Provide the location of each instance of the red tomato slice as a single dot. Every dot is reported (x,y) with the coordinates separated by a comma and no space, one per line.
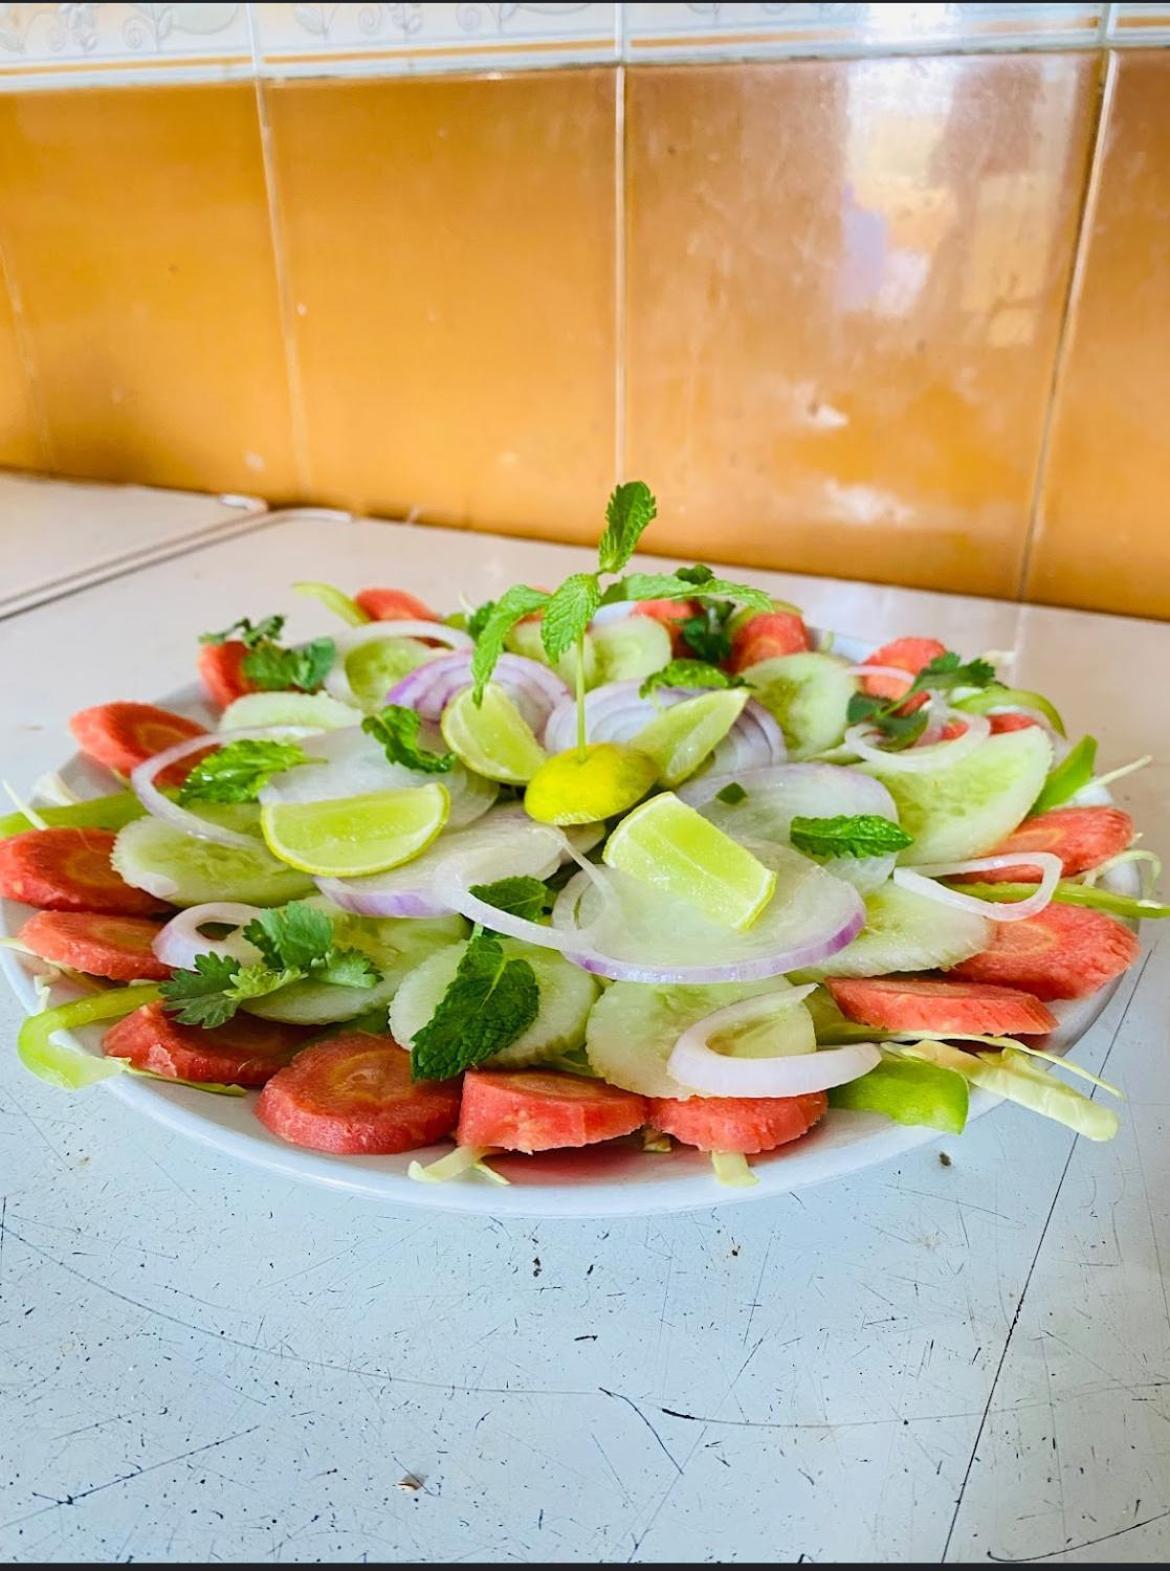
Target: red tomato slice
(1065,952)
(244,1052)
(69,870)
(100,945)
(393,605)
(122,736)
(542,1110)
(914,1003)
(221,667)
(354,1095)
(738,1123)
(1082,837)
(766,636)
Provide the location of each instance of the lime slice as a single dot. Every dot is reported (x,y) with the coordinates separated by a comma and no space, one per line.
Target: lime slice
(493,739)
(355,835)
(585,785)
(668,845)
(682,737)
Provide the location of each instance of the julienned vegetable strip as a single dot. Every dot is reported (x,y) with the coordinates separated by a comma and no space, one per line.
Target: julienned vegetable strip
(67,1067)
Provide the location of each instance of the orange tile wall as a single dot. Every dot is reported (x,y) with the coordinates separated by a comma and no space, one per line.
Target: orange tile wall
(847,316)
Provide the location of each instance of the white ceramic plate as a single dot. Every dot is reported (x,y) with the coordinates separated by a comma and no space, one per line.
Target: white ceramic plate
(613,1180)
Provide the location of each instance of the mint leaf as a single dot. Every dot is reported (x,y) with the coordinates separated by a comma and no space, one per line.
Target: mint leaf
(397,730)
(706,633)
(489,1003)
(247,632)
(848,834)
(629,510)
(293,937)
(569,613)
(733,793)
(239,771)
(273,669)
(478,619)
(689,673)
(699,574)
(521,896)
(199,997)
(670,586)
(514,603)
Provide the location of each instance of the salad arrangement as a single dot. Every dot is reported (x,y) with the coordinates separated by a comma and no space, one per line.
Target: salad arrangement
(639,858)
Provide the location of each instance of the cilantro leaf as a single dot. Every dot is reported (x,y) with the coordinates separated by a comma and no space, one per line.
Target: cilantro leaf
(848,834)
(899,729)
(238,771)
(689,673)
(513,604)
(569,613)
(347,968)
(273,669)
(491,1000)
(733,794)
(522,896)
(247,632)
(294,937)
(199,997)
(397,730)
(706,632)
(629,510)
(947,671)
(256,980)
(478,619)
(671,586)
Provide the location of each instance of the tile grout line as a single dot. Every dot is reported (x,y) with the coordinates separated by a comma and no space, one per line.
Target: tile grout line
(1092,189)
(1031,1269)
(620,324)
(286,307)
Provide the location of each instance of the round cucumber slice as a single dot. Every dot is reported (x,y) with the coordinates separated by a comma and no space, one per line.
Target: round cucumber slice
(187,871)
(273,709)
(373,669)
(634,1026)
(397,946)
(566,996)
(809,695)
(967,807)
(524,639)
(908,932)
(631,650)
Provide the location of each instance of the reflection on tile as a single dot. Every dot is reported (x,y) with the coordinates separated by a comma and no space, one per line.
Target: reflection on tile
(1102,537)
(135,225)
(845,290)
(450,252)
(20,440)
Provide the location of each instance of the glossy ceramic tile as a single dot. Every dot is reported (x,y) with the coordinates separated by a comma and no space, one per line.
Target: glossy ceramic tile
(1138,24)
(135,223)
(21,443)
(66,44)
(1102,537)
(846,282)
(450,251)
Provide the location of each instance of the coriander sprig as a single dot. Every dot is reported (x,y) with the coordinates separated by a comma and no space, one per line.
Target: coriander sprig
(900,729)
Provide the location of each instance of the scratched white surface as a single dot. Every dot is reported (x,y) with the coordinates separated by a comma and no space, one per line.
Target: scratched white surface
(924,1362)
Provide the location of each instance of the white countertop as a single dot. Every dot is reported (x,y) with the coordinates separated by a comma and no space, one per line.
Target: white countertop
(920,1362)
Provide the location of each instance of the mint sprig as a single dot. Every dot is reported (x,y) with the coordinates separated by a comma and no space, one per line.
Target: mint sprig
(397,730)
(520,895)
(491,1000)
(689,673)
(848,834)
(630,509)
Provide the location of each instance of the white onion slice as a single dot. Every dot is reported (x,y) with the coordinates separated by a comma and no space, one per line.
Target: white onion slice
(921,881)
(143,776)
(459,869)
(533,688)
(913,760)
(694,1063)
(354,764)
(881,670)
(180,940)
(616,712)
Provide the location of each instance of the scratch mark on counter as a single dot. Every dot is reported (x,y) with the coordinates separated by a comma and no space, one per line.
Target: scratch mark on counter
(1072,1549)
(619,1397)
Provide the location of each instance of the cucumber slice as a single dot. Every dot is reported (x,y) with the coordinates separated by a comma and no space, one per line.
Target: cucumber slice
(187,871)
(373,669)
(634,1026)
(967,807)
(809,695)
(908,932)
(524,639)
(272,709)
(566,996)
(631,650)
(397,946)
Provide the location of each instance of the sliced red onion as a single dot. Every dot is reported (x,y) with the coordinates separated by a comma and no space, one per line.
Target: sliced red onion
(777,795)
(353,764)
(921,881)
(180,940)
(142,780)
(694,1063)
(636,934)
(534,689)
(337,683)
(504,843)
(914,760)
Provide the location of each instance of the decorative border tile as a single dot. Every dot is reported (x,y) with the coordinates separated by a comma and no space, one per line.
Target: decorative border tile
(1139,24)
(96,41)
(675,32)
